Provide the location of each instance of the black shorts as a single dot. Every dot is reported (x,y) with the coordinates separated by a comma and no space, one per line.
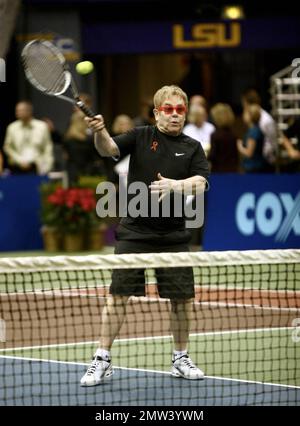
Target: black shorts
(172,283)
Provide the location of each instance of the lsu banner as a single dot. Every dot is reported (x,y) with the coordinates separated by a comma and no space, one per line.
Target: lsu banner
(156,36)
(245,212)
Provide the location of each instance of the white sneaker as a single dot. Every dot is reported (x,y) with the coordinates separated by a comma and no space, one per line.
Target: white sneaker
(184,367)
(97,372)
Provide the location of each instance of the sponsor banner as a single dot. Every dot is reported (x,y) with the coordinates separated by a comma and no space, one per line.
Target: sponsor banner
(147,37)
(242,212)
(19,213)
(245,212)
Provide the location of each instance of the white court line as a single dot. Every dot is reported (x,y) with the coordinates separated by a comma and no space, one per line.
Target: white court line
(160,300)
(137,339)
(150,371)
(20,358)
(252,381)
(71,291)
(222,304)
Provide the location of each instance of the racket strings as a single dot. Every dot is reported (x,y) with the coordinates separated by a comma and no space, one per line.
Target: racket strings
(45,69)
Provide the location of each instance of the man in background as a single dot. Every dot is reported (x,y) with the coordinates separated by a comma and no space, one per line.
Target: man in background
(198,127)
(28,145)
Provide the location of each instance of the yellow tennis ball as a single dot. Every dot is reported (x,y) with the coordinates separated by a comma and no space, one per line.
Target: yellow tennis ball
(85,67)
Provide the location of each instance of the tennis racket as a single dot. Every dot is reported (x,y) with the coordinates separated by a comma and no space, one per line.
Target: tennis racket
(46,69)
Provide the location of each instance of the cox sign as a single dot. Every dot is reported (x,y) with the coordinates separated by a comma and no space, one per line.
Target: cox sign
(248,212)
(271,214)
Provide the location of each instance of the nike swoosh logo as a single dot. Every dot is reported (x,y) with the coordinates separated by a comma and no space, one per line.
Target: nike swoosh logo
(177,155)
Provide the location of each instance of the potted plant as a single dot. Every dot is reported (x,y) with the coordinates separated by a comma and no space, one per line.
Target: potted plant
(69,218)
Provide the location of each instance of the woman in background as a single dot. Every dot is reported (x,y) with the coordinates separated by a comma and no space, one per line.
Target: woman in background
(82,158)
(223,155)
(251,148)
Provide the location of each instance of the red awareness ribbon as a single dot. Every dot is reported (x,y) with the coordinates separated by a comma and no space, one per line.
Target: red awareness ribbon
(154,146)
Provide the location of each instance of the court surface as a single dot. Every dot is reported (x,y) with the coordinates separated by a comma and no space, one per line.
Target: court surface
(247,352)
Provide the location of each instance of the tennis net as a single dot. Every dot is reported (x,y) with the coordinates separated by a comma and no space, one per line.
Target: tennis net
(244,329)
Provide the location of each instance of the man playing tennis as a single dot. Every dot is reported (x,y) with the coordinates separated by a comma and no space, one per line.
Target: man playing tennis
(166,160)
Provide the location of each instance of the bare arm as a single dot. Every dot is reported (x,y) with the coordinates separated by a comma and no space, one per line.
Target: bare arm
(293,153)
(191,186)
(248,150)
(104,144)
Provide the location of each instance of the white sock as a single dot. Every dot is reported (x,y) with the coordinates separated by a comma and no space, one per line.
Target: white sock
(105,355)
(178,354)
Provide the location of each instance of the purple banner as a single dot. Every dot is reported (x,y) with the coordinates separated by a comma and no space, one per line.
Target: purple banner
(147,37)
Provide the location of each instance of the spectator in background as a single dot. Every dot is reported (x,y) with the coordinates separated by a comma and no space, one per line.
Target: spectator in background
(122,124)
(223,155)
(198,100)
(267,126)
(146,115)
(251,148)
(198,127)
(117,172)
(27,143)
(55,135)
(292,149)
(81,156)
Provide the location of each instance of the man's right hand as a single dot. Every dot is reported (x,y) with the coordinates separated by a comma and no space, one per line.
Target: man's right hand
(104,144)
(96,124)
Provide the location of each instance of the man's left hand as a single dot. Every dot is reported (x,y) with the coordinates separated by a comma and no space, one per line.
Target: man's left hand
(164,186)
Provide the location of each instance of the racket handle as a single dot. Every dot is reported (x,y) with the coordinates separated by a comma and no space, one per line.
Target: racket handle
(85,109)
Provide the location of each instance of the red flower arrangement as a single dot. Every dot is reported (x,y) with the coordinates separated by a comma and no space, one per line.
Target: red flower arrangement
(69,209)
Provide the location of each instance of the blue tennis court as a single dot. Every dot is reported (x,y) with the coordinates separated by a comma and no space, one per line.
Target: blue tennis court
(57,383)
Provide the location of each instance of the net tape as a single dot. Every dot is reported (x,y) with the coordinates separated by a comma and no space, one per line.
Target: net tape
(149,260)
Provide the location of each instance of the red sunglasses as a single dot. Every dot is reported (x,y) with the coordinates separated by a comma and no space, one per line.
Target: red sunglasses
(169,109)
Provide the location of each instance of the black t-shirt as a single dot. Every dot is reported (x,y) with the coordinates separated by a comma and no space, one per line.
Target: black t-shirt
(152,152)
